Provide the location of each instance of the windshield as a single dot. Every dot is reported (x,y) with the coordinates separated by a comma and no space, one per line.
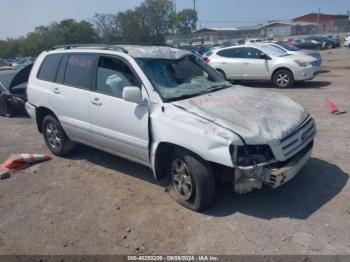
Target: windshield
(273,51)
(183,78)
(288,47)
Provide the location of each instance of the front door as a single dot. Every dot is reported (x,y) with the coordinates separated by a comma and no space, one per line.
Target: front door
(254,65)
(117,125)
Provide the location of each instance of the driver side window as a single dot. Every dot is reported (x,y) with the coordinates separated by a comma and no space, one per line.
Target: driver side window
(113,75)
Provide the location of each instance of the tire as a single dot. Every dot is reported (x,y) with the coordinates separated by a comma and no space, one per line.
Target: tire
(222,73)
(192,183)
(55,137)
(283,78)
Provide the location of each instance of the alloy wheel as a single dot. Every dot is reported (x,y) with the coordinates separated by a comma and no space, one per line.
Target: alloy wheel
(181,179)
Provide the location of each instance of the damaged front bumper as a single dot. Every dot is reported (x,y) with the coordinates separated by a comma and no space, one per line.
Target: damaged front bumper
(271,174)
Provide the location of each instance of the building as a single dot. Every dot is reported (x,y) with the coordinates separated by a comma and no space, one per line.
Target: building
(308,24)
(271,29)
(326,22)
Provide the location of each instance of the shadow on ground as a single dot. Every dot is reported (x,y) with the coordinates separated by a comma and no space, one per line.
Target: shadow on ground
(316,184)
(297,85)
(112,162)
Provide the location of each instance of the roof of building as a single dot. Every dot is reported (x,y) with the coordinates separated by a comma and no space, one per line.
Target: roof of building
(322,16)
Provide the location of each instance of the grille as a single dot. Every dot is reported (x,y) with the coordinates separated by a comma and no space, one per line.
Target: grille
(300,138)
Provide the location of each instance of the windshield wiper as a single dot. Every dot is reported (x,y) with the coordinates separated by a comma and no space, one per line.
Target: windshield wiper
(207,91)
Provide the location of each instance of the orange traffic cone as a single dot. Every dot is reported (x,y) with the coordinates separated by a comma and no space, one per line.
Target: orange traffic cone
(22,161)
(332,107)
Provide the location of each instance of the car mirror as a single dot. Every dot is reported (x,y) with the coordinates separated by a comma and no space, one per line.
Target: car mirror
(264,56)
(132,94)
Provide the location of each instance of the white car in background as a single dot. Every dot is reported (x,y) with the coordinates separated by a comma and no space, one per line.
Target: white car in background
(253,41)
(293,50)
(263,62)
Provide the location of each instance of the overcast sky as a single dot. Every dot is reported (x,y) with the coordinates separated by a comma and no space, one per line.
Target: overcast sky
(18,17)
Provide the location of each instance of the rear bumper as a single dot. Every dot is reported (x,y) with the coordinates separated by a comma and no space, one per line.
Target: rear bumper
(306,73)
(31,110)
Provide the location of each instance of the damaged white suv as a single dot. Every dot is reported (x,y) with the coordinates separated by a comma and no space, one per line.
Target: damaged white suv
(168,110)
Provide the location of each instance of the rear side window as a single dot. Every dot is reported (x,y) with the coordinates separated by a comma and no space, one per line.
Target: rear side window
(79,70)
(231,53)
(48,68)
(253,53)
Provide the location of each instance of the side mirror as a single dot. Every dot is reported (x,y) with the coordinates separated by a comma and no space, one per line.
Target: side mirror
(132,94)
(264,56)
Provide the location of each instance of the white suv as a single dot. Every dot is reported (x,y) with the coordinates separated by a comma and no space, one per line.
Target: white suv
(168,110)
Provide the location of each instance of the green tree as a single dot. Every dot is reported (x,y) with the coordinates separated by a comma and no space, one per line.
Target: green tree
(185,21)
(159,17)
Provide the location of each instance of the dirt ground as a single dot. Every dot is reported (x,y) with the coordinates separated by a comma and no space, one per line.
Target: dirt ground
(96,203)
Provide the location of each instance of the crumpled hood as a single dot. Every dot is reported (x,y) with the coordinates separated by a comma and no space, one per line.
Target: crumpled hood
(259,116)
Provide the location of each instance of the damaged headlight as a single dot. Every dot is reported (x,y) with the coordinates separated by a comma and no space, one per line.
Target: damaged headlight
(251,155)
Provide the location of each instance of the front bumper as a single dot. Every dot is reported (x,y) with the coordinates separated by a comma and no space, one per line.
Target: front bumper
(306,73)
(273,175)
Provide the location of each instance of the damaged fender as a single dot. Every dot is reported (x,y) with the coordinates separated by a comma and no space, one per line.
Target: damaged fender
(171,124)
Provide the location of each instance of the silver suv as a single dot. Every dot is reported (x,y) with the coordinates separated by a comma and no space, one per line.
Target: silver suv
(168,110)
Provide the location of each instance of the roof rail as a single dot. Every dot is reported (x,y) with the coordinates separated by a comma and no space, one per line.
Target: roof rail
(97,46)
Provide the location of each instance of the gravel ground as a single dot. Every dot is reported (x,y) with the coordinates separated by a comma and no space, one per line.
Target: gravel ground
(96,203)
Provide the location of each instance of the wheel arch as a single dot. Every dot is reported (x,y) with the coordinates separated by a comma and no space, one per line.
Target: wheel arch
(163,152)
(40,113)
(281,68)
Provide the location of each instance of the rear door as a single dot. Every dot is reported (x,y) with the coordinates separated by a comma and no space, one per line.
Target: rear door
(254,65)
(231,62)
(70,96)
(118,126)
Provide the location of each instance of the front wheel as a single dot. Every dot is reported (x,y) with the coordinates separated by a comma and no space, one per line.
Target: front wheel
(192,181)
(283,78)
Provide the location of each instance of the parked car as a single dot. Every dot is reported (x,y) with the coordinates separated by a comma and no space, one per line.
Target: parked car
(325,42)
(307,44)
(347,43)
(347,37)
(293,50)
(13,91)
(263,62)
(168,110)
(4,65)
(253,41)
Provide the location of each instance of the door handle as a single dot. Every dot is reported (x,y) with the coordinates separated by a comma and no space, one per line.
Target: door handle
(96,101)
(56,90)
(246,63)
(224,63)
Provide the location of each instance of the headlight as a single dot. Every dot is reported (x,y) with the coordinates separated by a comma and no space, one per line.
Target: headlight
(301,63)
(253,155)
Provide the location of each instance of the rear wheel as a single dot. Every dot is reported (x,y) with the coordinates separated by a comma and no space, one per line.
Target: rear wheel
(283,78)
(56,139)
(192,181)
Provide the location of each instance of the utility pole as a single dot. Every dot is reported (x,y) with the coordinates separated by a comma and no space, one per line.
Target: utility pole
(195,11)
(319,19)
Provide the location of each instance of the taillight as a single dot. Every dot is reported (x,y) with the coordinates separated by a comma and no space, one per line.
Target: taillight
(207,60)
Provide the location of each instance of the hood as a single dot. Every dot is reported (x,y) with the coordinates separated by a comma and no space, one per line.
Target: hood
(260,117)
(21,77)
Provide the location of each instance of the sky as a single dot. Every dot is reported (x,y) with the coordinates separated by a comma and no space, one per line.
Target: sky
(18,17)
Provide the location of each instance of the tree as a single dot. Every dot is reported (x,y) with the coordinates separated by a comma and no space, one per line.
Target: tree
(185,21)
(106,26)
(159,17)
